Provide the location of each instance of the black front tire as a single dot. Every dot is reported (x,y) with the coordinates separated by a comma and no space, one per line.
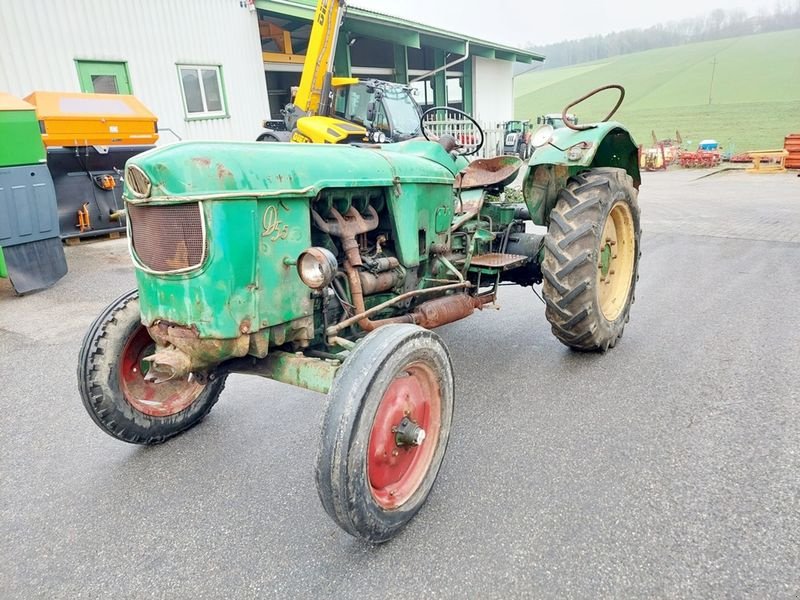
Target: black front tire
(100,366)
(346,486)
(572,267)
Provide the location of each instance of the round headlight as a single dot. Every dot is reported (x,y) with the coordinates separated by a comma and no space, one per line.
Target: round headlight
(137,182)
(317,267)
(381,137)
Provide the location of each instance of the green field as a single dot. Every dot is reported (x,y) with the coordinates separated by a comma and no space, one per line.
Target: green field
(755,99)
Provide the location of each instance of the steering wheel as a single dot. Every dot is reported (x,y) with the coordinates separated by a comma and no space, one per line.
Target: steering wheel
(575,126)
(454,129)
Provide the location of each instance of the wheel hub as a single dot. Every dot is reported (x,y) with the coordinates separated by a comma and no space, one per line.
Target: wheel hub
(616,261)
(606,255)
(403,436)
(408,433)
(143,394)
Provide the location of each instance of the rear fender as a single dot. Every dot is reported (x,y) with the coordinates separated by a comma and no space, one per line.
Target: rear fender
(606,145)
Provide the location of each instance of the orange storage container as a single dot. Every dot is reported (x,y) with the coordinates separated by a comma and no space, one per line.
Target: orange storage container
(75,119)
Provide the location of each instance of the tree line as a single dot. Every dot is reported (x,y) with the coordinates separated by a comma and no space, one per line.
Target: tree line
(718,24)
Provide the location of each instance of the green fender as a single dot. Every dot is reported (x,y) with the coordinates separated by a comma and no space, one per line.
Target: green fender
(607,144)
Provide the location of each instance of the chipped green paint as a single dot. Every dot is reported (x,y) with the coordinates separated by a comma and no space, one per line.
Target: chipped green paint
(606,145)
(232,170)
(244,281)
(256,200)
(310,373)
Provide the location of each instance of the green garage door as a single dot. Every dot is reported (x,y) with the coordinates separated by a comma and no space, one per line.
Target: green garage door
(103,77)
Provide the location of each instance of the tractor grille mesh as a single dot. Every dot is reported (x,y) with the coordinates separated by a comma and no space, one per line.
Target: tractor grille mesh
(167,238)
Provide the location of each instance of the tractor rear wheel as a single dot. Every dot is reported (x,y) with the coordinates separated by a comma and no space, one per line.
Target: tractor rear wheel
(112,384)
(591,259)
(385,431)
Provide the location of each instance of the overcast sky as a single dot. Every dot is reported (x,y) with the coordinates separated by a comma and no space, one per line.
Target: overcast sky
(516,22)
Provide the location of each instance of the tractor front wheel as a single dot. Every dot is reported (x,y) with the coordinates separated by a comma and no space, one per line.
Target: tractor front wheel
(591,259)
(385,431)
(112,384)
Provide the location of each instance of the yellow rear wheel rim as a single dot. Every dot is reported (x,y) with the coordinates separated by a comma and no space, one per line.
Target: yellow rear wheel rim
(615,261)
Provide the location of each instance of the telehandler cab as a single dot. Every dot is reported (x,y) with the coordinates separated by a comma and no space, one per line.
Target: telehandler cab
(342,110)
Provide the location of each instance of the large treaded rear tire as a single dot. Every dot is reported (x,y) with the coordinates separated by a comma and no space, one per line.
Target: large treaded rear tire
(573,248)
(100,365)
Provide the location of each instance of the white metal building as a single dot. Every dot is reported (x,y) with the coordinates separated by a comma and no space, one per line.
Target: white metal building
(159,46)
(208,68)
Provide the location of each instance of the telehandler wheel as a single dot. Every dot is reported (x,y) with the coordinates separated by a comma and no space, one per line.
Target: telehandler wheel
(111,381)
(385,431)
(591,259)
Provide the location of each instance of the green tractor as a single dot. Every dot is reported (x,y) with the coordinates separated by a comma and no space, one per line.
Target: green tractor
(517,138)
(328,266)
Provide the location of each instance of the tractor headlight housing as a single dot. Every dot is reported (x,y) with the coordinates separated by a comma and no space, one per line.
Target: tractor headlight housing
(378,137)
(317,267)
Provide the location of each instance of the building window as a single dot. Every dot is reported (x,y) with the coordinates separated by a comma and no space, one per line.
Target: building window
(102,77)
(202,91)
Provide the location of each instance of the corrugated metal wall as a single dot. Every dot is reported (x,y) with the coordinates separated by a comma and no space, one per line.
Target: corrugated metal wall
(41,39)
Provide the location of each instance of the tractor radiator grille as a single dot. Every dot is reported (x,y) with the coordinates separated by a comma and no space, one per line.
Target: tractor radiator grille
(168,238)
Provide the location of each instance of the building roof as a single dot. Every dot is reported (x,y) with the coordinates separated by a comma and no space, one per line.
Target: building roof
(404,31)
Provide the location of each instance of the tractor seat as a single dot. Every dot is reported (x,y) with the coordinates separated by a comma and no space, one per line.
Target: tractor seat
(488,173)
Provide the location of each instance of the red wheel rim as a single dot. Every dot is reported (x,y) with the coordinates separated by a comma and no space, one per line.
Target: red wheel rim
(154,399)
(396,472)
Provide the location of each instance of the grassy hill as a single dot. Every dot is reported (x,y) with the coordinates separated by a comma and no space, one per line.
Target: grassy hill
(755,98)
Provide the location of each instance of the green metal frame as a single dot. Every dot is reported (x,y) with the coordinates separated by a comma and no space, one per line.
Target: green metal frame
(440,78)
(86,68)
(467,87)
(3,269)
(402,31)
(342,65)
(400,63)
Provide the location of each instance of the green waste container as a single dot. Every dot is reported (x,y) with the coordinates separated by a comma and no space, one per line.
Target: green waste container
(31,254)
(18,122)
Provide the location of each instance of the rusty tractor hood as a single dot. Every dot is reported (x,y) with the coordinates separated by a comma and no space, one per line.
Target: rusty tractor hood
(219,170)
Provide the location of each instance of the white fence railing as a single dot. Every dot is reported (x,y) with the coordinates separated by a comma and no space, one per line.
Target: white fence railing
(466,134)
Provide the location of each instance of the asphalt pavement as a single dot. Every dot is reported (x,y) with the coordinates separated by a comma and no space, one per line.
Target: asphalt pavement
(666,468)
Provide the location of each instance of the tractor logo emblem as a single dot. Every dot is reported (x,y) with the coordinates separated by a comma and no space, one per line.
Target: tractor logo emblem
(274,228)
